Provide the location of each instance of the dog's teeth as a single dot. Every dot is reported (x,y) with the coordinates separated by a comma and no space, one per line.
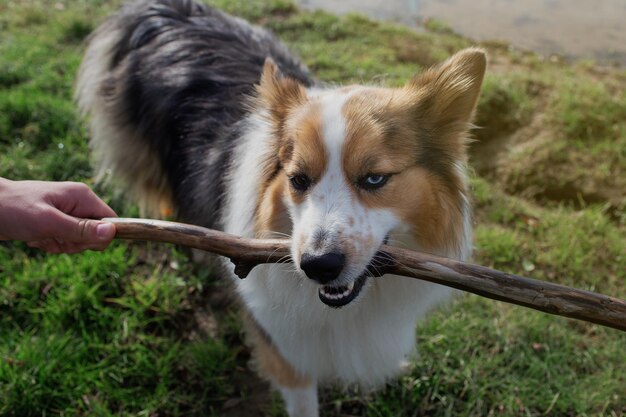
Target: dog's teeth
(340,295)
(333,292)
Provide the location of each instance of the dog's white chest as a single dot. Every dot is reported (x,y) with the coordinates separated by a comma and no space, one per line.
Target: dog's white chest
(365,342)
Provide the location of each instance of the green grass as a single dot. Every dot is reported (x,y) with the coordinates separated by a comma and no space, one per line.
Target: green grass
(505,106)
(105,332)
(140,330)
(581,157)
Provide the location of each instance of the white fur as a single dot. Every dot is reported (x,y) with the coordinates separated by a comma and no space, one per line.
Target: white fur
(300,402)
(244,177)
(365,342)
(368,340)
(331,207)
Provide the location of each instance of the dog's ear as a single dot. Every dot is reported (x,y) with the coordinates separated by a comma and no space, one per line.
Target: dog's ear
(278,93)
(447,94)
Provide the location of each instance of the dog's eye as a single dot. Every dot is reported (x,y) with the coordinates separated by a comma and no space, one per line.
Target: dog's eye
(300,182)
(373,181)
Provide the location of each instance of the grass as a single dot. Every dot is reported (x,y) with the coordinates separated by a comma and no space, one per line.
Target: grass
(102,333)
(583,156)
(140,330)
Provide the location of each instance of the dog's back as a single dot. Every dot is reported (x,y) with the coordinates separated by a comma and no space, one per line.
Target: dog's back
(165,84)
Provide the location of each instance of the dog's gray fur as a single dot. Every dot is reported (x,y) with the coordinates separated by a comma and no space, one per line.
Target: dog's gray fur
(166,83)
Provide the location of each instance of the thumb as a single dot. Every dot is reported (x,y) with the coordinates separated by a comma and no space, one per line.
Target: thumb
(90,231)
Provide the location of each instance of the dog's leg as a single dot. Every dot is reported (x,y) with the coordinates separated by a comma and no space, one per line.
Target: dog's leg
(298,391)
(300,402)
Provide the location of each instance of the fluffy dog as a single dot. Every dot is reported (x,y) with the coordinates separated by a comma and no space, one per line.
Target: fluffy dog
(212,116)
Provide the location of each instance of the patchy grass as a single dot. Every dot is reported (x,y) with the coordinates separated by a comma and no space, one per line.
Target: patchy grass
(505,106)
(485,358)
(139,330)
(102,333)
(580,155)
(569,125)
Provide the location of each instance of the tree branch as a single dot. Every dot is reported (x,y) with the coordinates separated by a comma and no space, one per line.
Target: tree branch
(539,295)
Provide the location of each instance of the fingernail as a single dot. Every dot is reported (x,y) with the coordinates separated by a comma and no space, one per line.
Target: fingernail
(105,231)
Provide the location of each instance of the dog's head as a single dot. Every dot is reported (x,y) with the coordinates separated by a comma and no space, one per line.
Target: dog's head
(355,165)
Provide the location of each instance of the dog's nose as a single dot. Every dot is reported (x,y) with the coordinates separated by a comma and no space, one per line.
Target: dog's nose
(323,268)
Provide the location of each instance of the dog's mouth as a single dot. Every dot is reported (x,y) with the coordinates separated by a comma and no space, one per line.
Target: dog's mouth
(339,296)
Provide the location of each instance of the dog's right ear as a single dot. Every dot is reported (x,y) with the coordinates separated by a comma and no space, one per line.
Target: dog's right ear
(278,93)
(448,92)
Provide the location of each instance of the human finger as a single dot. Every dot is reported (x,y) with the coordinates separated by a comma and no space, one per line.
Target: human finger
(78,200)
(47,245)
(96,233)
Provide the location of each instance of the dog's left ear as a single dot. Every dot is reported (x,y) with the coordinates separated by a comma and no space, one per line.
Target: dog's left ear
(447,94)
(278,93)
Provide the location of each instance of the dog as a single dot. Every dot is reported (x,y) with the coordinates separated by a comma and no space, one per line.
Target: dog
(211,116)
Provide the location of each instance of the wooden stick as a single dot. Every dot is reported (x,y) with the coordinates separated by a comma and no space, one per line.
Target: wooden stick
(539,295)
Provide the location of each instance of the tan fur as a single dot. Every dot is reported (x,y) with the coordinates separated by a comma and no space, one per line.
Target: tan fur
(280,95)
(379,137)
(271,214)
(449,92)
(136,165)
(381,140)
(446,97)
(301,151)
(299,148)
(308,154)
(117,152)
(435,212)
(417,134)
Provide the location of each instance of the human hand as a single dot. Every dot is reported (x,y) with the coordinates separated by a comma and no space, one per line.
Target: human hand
(54,216)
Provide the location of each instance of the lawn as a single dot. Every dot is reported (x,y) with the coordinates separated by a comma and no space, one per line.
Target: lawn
(140,330)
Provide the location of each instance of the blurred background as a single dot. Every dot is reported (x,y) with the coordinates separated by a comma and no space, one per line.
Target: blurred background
(571,28)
